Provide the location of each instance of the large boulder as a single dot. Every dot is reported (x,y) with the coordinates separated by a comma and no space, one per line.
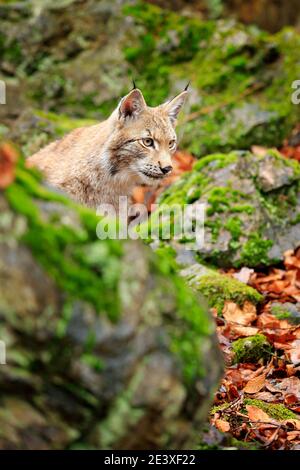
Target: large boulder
(81,57)
(105,346)
(252,208)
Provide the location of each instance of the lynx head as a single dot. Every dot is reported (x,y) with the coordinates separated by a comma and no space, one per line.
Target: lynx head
(144,139)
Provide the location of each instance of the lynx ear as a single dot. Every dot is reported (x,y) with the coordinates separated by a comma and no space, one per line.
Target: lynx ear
(174,106)
(132,104)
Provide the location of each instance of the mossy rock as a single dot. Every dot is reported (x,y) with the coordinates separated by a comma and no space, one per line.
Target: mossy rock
(286,311)
(252,349)
(104,342)
(251,208)
(218,288)
(76,64)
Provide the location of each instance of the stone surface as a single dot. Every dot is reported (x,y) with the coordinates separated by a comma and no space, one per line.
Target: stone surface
(106,347)
(252,207)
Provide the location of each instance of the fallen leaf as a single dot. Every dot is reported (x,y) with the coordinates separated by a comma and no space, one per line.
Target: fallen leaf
(256,384)
(244,330)
(256,414)
(291,435)
(8,159)
(289,385)
(222,425)
(295,352)
(294,422)
(243,316)
(266,396)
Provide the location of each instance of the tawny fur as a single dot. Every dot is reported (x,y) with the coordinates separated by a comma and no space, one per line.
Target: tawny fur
(98,164)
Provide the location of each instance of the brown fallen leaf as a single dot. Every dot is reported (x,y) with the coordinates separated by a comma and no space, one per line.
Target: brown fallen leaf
(222,425)
(294,422)
(242,316)
(256,384)
(244,330)
(295,352)
(266,396)
(293,435)
(256,414)
(290,385)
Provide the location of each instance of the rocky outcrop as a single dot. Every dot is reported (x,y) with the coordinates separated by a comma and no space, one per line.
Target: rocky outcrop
(252,207)
(105,346)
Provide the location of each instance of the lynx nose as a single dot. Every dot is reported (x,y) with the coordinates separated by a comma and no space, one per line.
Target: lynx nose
(166,169)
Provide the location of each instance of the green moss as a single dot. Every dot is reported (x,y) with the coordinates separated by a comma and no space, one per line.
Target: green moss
(252,349)
(61,250)
(191,326)
(255,251)
(276,411)
(218,288)
(283,313)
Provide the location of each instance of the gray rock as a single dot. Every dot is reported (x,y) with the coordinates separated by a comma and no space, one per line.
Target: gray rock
(252,208)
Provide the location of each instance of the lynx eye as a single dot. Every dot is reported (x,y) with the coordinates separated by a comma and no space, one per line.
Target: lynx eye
(172,143)
(148,142)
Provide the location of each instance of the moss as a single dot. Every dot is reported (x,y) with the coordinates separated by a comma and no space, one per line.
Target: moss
(255,251)
(252,349)
(219,288)
(276,411)
(60,249)
(282,313)
(189,328)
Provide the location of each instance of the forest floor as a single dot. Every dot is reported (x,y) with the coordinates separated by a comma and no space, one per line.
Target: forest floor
(257,402)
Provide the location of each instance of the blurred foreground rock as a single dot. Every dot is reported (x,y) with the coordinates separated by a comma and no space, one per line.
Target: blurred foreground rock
(106,347)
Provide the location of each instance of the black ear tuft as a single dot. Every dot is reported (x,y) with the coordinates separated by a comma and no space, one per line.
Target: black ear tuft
(187,87)
(133,85)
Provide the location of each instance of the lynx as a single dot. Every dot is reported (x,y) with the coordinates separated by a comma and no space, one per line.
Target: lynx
(97,164)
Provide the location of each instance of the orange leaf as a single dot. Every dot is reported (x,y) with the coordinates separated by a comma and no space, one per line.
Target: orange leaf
(242,316)
(244,330)
(256,414)
(222,425)
(256,384)
(8,159)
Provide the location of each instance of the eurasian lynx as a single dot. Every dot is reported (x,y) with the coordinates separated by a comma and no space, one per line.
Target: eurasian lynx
(98,164)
